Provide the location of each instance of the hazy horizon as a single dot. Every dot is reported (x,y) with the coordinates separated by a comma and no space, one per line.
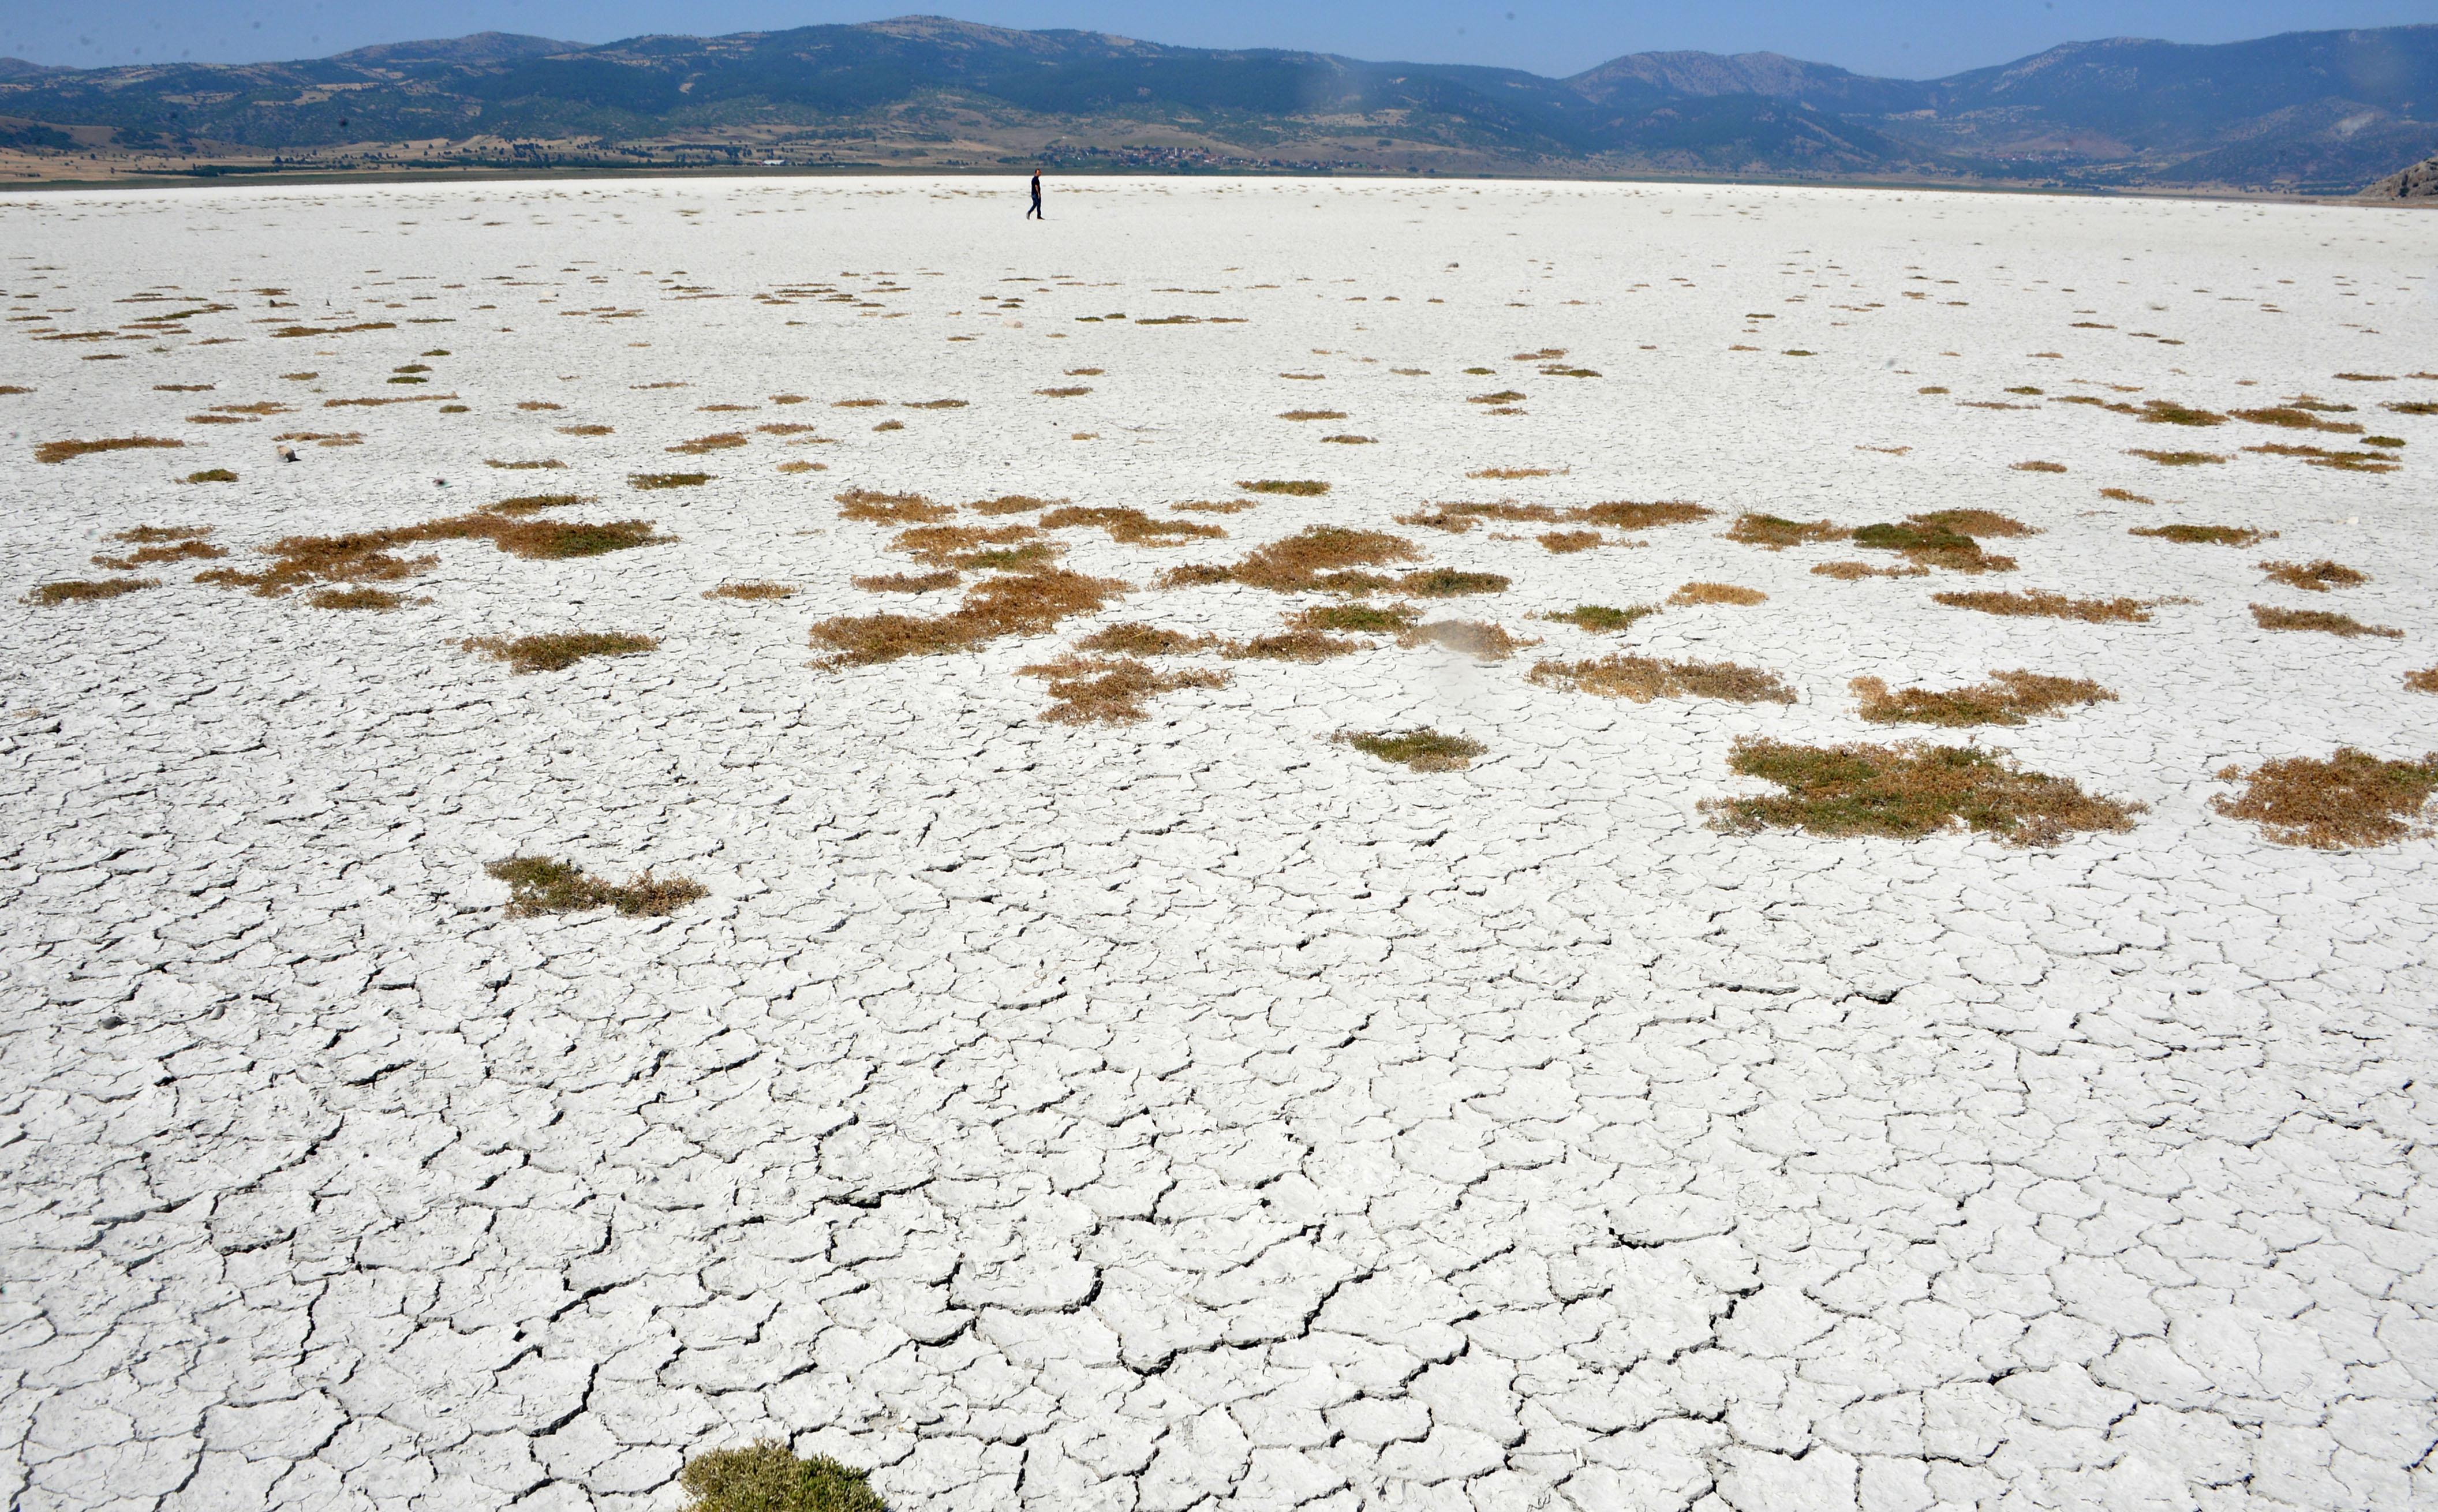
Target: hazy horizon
(1902,39)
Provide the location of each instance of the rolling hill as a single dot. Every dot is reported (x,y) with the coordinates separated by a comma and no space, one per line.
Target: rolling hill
(2309,112)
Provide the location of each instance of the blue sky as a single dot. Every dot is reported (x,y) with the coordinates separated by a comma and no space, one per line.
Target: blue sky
(1899,38)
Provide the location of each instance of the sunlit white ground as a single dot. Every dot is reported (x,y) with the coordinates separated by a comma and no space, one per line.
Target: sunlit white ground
(1198,1112)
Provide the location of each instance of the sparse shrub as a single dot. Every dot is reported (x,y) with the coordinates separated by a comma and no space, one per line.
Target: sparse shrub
(50,596)
(1299,487)
(1643,678)
(2316,577)
(2039,467)
(1131,527)
(2006,698)
(1066,392)
(1601,618)
(1318,557)
(1716,594)
(1020,604)
(1904,792)
(1294,645)
(1447,582)
(649,482)
(1625,514)
(538,884)
(535,503)
(2177,459)
(2125,495)
(1365,619)
(1423,749)
(893,509)
(557,652)
(2271,618)
(725,441)
(1136,640)
(1856,572)
(910,582)
(2352,799)
(1312,415)
(57,451)
(755,593)
(1772,534)
(1567,542)
(354,598)
(1111,691)
(2166,412)
(2204,534)
(2426,680)
(210,475)
(2045,604)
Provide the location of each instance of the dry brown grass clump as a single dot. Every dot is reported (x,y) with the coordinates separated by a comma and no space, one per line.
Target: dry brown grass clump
(649,482)
(1298,487)
(1471,638)
(1643,678)
(1066,392)
(1132,527)
(1945,537)
(555,653)
(1111,691)
(1363,619)
(859,404)
(63,450)
(1448,582)
(2039,467)
(1567,542)
(891,509)
(2291,417)
(52,594)
(936,404)
(1322,556)
(354,598)
(535,503)
(184,546)
(2046,604)
(2351,798)
(2269,618)
(1856,572)
(725,441)
(1603,619)
(2404,406)
(545,464)
(910,582)
(586,429)
(1352,441)
(1904,792)
(371,556)
(1772,534)
(1294,645)
(160,534)
(2204,534)
(1624,515)
(1207,506)
(2177,459)
(1508,473)
(1459,518)
(2007,698)
(2426,680)
(2167,412)
(324,438)
(2316,577)
(538,884)
(751,592)
(210,475)
(2339,461)
(1423,749)
(1011,504)
(1312,415)
(1005,548)
(1020,604)
(2126,496)
(1134,639)
(1716,594)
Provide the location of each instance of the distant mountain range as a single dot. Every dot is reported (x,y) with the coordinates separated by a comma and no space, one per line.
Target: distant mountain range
(2323,112)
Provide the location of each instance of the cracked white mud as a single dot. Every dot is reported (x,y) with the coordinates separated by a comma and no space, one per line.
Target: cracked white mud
(1194,1110)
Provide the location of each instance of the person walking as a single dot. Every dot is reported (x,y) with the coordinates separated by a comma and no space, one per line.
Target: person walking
(1035,213)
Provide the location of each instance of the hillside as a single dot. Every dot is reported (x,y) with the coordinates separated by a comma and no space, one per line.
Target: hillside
(2310,112)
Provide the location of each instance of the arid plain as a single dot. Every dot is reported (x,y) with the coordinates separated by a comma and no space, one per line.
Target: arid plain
(1274,843)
